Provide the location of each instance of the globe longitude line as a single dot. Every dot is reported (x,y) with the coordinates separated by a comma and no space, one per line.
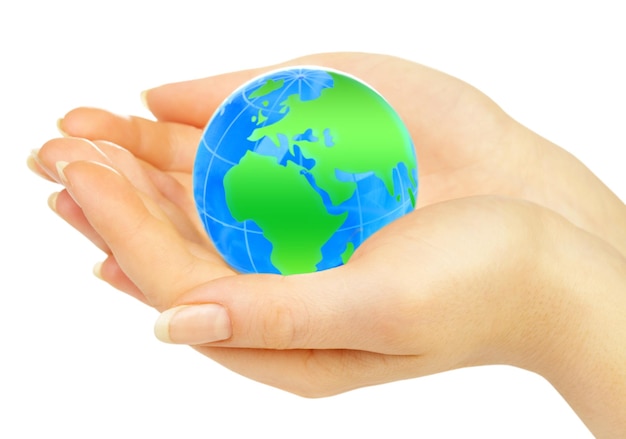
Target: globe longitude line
(308,79)
(358,201)
(397,172)
(277,102)
(245,235)
(214,152)
(271,109)
(250,104)
(275,93)
(229,225)
(300,80)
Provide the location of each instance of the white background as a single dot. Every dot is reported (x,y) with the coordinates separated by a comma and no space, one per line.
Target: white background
(78,359)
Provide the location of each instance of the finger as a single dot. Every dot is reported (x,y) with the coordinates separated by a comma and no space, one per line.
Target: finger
(140,236)
(168,191)
(64,206)
(78,149)
(193,102)
(33,163)
(110,272)
(171,196)
(318,373)
(168,146)
(324,310)
(433,105)
(399,297)
(67,149)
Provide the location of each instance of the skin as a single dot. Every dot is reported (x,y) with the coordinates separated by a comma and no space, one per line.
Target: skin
(515,255)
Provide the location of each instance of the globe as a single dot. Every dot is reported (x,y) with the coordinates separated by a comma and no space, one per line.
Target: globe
(298,167)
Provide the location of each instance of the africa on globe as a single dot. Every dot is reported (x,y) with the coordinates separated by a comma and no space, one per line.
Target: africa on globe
(298,167)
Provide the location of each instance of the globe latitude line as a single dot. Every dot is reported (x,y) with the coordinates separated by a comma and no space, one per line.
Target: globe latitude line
(330,105)
(277,102)
(289,79)
(214,152)
(403,206)
(252,104)
(233,237)
(244,110)
(286,207)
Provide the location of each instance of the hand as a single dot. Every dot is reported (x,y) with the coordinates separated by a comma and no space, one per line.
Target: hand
(466,145)
(453,284)
(140,213)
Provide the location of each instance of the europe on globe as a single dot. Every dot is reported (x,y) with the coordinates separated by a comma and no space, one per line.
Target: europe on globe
(298,167)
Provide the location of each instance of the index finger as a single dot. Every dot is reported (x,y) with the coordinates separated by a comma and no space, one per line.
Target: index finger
(168,146)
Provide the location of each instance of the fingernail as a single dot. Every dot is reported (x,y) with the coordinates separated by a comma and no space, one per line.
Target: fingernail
(193,324)
(60,128)
(144,98)
(97,270)
(60,165)
(33,161)
(52,201)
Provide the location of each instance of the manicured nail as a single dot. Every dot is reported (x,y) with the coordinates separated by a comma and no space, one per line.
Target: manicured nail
(97,270)
(60,165)
(144,98)
(52,201)
(193,324)
(60,128)
(33,161)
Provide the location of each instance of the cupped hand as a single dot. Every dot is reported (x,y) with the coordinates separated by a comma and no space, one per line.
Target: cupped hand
(446,286)
(466,145)
(468,278)
(455,284)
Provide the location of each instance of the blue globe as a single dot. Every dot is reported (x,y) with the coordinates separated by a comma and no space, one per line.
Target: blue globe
(298,167)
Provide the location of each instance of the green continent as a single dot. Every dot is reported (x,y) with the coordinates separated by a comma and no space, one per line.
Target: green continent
(285,206)
(269,86)
(367,136)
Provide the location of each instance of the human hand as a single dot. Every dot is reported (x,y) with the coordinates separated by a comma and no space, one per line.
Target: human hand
(459,283)
(466,146)
(147,199)
(454,284)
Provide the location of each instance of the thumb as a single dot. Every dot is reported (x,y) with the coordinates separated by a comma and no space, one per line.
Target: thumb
(331,309)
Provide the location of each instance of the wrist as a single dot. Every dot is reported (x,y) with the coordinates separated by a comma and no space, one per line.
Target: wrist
(579,342)
(560,182)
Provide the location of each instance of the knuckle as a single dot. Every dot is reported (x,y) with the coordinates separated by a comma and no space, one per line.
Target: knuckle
(280,327)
